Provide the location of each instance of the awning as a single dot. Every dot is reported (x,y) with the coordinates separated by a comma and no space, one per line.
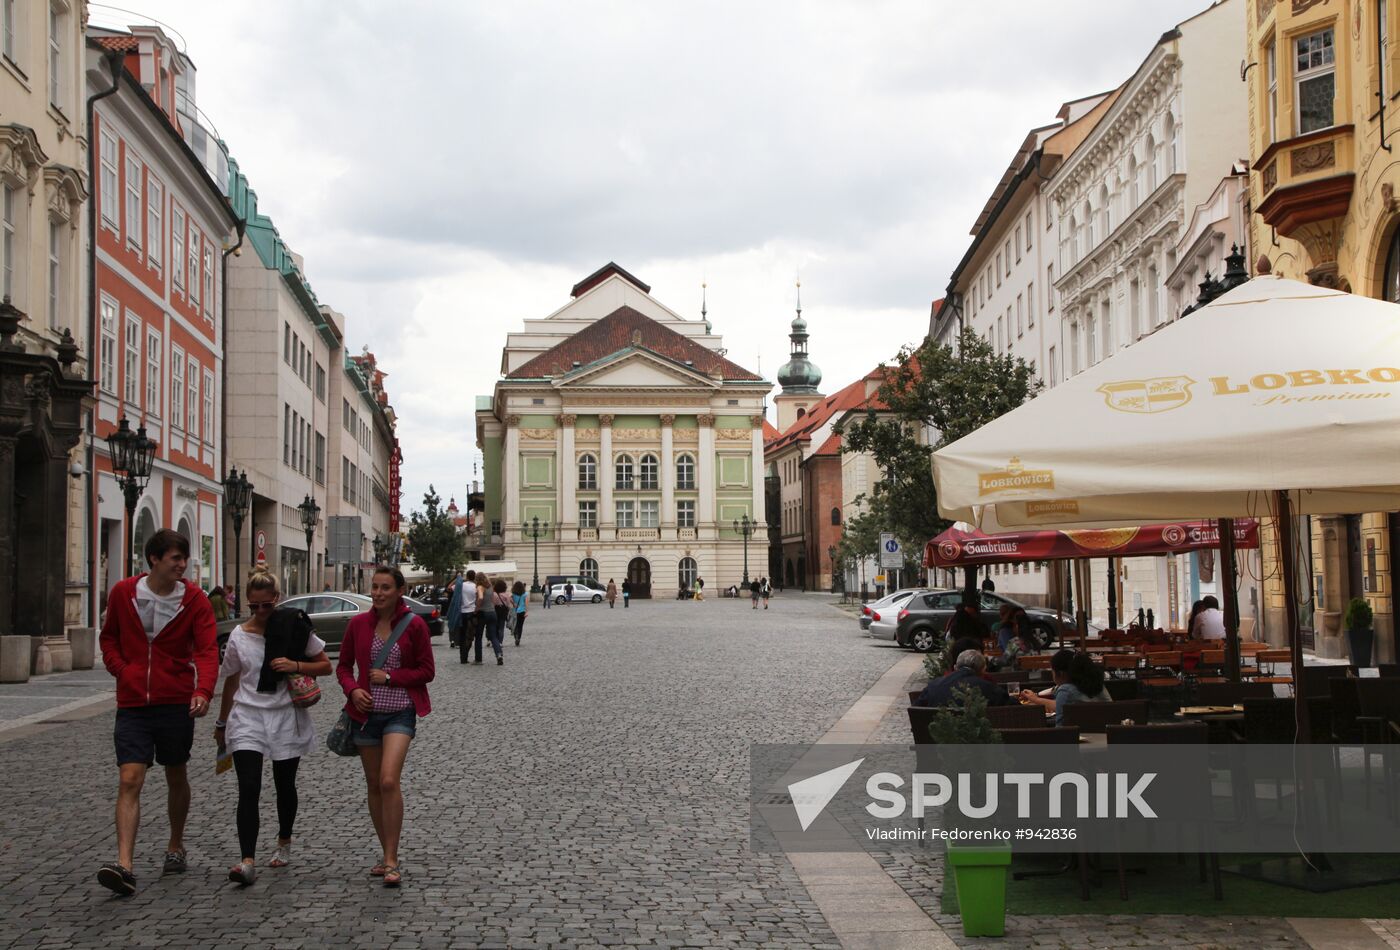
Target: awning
(957,547)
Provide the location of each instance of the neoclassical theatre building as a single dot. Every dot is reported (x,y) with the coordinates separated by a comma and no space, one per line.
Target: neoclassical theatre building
(622,428)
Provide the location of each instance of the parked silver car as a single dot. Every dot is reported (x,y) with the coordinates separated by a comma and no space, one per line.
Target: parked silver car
(885,620)
(868,611)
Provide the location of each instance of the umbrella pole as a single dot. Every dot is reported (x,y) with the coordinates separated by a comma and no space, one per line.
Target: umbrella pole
(1081,617)
(1285,535)
(1112,596)
(1229,587)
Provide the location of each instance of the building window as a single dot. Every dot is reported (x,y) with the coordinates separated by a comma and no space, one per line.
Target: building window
(836,516)
(209,283)
(588,569)
(194,399)
(152,372)
(1028,230)
(685,472)
(588,473)
(1382,48)
(108,355)
(132,366)
(1018,244)
(625,513)
(55,270)
(320,459)
(56,24)
(687,572)
(1020,317)
(685,514)
(208,427)
(649,468)
(133,203)
(1030,305)
(1074,348)
(10,12)
(998,269)
(1053,378)
(9,243)
(177,388)
(193,283)
(344,478)
(177,247)
(588,514)
(1091,353)
(155,199)
(286,434)
(648,514)
(287,348)
(1316,80)
(109,179)
(321,383)
(624,470)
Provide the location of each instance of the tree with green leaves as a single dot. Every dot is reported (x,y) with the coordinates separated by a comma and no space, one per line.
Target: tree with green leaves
(942,393)
(436,543)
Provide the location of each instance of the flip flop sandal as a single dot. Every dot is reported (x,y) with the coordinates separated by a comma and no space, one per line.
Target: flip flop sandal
(377,870)
(242,874)
(117,879)
(392,875)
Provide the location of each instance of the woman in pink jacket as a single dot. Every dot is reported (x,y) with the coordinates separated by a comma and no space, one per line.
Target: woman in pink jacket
(385,700)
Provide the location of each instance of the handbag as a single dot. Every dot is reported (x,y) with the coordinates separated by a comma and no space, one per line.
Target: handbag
(303,689)
(341,738)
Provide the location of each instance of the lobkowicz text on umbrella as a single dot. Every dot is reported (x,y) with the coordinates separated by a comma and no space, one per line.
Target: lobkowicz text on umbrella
(1224,386)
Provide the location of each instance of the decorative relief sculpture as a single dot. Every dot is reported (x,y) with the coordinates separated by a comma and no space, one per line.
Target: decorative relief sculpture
(565,419)
(636,435)
(705,420)
(756,422)
(606,420)
(685,435)
(539,435)
(668,419)
(1270,176)
(512,421)
(586,435)
(1314,157)
(740,434)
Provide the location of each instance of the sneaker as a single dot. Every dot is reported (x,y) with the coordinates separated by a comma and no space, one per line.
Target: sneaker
(281,856)
(117,879)
(174,862)
(500,660)
(243,874)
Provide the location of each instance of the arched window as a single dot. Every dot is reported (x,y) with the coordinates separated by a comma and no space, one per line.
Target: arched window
(1105,211)
(588,472)
(1133,189)
(1173,140)
(649,469)
(1073,256)
(588,569)
(686,573)
(624,470)
(1088,227)
(1149,160)
(685,472)
(836,516)
(1390,286)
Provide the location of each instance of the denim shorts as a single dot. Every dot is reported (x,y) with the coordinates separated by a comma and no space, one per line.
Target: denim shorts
(373,730)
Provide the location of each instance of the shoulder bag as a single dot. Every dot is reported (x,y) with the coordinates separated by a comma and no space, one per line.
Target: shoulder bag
(341,738)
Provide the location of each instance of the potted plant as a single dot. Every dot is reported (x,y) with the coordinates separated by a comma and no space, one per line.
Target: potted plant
(1360,635)
(979,871)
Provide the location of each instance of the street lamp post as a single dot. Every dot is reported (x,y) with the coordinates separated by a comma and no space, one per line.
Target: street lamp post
(537,528)
(237,490)
(745,529)
(132,456)
(378,549)
(310,511)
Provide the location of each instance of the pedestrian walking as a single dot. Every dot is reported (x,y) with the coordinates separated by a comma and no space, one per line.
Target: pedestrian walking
(626,592)
(454,606)
(766,590)
(500,613)
(218,604)
(699,588)
(612,594)
(753,592)
(569,591)
(258,715)
(464,616)
(988,584)
(545,593)
(386,664)
(521,608)
(160,642)
(482,613)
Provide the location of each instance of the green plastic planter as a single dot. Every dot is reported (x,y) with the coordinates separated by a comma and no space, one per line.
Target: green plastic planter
(980,876)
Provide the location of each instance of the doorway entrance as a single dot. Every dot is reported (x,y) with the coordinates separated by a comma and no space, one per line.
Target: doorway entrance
(639,578)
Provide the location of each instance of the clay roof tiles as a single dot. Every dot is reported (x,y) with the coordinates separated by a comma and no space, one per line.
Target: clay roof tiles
(624,328)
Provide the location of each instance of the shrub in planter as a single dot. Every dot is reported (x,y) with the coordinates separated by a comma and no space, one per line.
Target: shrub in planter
(1360,635)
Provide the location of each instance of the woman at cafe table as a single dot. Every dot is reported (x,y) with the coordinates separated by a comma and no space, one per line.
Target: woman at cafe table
(1078,679)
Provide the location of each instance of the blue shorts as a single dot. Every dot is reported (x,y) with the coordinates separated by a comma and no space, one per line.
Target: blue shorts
(373,730)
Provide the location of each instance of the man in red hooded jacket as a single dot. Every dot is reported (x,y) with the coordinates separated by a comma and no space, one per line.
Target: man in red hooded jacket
(160,642)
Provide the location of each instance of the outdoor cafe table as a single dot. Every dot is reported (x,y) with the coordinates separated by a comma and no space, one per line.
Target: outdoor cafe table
(1217,718)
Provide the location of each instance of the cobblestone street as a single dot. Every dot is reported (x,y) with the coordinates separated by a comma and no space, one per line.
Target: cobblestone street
(593,791)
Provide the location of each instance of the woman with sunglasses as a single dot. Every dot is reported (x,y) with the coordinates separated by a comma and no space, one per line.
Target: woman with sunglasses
(257,719)
(386,698)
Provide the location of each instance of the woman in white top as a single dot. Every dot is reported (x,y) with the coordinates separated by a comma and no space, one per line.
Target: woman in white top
(255,724)
(1209,623)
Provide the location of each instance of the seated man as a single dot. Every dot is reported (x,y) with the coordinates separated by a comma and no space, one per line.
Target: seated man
(967,671)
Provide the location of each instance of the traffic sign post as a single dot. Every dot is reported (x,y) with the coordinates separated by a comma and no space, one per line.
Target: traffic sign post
(891,555)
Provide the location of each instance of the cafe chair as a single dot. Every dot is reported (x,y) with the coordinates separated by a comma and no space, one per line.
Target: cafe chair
(1231,694)
(1041,735)
(1122,690)
(1030,716)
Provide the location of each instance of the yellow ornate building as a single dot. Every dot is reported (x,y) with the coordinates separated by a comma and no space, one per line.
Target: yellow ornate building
(1324,105)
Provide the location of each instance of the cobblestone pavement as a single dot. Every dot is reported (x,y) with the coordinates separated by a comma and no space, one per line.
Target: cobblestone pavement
(591,792)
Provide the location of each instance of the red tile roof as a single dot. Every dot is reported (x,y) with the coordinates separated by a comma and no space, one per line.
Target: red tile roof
(845,400)
(832,446)
(122,43)
(622,329)
(770,431)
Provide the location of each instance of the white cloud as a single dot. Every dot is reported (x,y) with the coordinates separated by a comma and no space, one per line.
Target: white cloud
(448,170)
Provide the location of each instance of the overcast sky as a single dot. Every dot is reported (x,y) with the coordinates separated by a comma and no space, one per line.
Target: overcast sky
(450,169)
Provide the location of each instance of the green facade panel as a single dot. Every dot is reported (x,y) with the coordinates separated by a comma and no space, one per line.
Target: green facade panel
(491,452)
(537,421)
(636,422)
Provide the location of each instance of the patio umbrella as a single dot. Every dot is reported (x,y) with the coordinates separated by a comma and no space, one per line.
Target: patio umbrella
(1278,398)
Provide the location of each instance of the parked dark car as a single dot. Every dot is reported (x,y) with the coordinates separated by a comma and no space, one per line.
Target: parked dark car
(925,617)
(330,612)
(431,615)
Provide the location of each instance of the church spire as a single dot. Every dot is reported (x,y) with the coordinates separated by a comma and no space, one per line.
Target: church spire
(704,313)
(799,374)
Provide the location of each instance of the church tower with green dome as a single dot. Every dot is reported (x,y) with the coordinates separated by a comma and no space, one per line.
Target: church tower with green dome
(799,377)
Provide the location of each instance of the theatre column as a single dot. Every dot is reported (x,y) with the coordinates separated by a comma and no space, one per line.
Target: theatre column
(607,525)
(668,480)
(705,516)
(758,513)
(510,497)
(568,480)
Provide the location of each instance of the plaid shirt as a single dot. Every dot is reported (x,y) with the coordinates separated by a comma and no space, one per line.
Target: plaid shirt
(390,698)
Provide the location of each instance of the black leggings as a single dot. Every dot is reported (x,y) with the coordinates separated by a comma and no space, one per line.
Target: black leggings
(248,766)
